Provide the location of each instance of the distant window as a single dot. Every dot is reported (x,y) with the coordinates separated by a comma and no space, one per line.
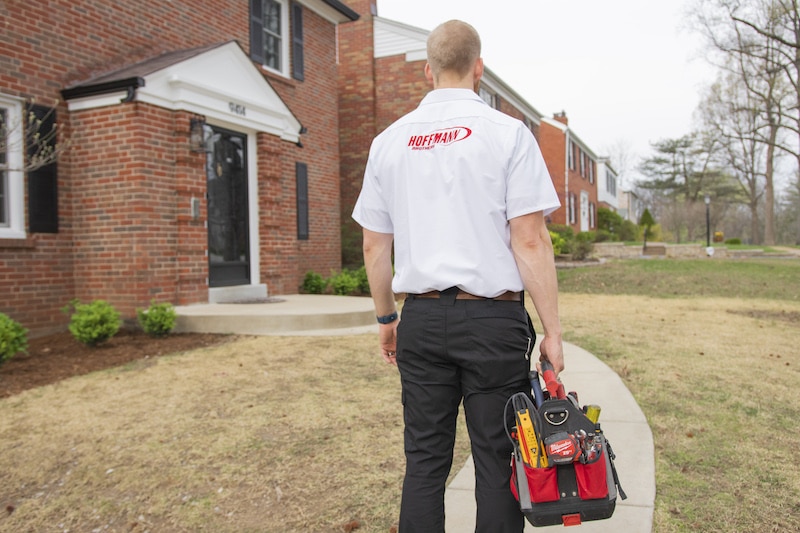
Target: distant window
(270,40)
(571,203)
(487,96)
(611,183)
(12,158)
(582,158)
(591,169)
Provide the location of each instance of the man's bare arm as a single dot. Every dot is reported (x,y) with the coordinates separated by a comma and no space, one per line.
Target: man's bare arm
(533,251)
(378,263)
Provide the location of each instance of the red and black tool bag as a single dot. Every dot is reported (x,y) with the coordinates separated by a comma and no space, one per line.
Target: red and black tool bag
(581,486)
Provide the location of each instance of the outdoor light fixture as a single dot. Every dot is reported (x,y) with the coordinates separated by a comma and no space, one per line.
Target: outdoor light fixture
(197,134)
(708,225)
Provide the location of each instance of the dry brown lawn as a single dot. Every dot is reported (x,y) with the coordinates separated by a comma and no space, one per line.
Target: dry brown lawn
(304,435)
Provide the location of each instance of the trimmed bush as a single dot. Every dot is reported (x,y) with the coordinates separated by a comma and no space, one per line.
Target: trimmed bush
(558,242)
(583,246)
(13,338)
(93,323)
(733,241)
(567,235)
(363,282)
(158,319)
(344,283)
(314,283)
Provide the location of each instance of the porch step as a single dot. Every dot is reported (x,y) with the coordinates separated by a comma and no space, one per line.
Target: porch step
(293,314)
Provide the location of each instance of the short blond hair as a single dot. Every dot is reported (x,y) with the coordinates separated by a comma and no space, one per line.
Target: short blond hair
(453,46)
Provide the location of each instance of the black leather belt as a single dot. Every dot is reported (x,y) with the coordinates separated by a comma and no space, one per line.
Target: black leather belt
(508,296)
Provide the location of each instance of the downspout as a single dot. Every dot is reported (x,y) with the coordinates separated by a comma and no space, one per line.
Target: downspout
(566,177)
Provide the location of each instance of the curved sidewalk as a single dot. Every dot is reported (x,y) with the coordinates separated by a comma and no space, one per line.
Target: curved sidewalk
(626,428)
(623,421)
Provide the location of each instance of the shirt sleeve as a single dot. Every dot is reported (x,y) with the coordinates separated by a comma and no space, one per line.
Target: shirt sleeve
(529,188)
(371,211)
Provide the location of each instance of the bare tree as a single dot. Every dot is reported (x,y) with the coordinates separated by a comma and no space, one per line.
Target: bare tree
(760,41)
(36,133)
(729,113)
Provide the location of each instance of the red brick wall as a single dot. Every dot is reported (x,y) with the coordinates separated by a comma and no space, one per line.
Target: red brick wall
(554,147)
(552,142)
(126,185)
(357,119)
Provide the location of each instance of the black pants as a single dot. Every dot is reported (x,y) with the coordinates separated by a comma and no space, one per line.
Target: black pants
(449,350)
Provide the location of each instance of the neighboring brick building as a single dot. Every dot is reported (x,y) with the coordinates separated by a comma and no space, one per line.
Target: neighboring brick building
(573,168)
(138,208)
(380,79)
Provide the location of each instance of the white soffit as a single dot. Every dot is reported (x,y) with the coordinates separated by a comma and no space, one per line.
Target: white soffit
(394,38)
(222,84)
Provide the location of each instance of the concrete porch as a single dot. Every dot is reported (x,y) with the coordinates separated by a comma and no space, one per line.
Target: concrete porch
(292,314)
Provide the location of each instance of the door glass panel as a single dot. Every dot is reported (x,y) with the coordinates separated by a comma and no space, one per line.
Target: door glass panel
(228,239)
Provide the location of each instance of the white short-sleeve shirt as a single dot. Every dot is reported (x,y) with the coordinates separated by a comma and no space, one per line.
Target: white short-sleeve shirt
(445,180)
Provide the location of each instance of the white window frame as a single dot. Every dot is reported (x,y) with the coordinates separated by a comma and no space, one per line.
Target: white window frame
(12,171)
(285,40)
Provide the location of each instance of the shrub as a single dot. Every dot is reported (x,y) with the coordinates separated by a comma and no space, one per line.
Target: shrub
(314,283)
(158,319)
(583,245)
(733,241)
(628,231)
(603,235)
(558,242)
(344,283)
(93,323)
(13,338)
(363,282)
(566,233)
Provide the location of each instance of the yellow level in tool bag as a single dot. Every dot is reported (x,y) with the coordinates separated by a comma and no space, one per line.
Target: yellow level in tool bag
(531,450)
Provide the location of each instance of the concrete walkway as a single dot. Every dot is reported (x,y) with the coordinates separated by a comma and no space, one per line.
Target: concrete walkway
(622,420)
(625,427)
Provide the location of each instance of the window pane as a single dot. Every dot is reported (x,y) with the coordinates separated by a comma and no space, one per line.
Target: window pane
(272,17)
(272,34)
(272,52)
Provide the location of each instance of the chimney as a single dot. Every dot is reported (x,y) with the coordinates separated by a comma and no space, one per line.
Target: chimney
(561,117)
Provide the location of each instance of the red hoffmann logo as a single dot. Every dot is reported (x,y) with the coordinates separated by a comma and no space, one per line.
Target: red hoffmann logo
(439,137)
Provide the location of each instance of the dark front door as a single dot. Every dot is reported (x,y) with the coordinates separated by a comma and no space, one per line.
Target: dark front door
(228,239)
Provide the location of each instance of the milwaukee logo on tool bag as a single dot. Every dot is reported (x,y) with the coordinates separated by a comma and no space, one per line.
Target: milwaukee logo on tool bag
(438,138)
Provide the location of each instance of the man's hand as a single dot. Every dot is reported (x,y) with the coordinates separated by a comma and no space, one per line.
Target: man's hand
(387,335)
(552,349)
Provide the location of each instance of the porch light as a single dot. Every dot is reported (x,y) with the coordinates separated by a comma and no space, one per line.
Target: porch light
(197,135)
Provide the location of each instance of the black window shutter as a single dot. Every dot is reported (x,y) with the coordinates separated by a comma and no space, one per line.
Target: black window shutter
(257,31)
(43,181)
(497,102)
(301,175)
(298,69)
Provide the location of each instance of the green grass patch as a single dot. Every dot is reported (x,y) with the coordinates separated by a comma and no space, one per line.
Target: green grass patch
(671,278)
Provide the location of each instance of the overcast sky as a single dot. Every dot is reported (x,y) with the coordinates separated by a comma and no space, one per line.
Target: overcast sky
(623,70)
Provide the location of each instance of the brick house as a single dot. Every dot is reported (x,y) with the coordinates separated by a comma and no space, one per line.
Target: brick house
(380,79)
(573,168)
(202,159)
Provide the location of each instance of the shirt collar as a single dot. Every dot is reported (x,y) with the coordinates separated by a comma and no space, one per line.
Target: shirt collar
(447,95)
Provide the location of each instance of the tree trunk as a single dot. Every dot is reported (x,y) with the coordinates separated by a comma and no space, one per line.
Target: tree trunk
(769,189)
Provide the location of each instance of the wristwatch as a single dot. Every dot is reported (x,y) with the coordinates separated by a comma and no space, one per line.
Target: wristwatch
(387,319)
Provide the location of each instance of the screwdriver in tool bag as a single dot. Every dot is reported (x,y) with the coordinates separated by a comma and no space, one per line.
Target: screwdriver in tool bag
(536,387)
(554,387)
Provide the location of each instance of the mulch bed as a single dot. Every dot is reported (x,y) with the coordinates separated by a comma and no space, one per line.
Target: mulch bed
(59,356)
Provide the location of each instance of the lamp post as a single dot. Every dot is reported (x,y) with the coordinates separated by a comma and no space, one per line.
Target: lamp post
(709,250)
